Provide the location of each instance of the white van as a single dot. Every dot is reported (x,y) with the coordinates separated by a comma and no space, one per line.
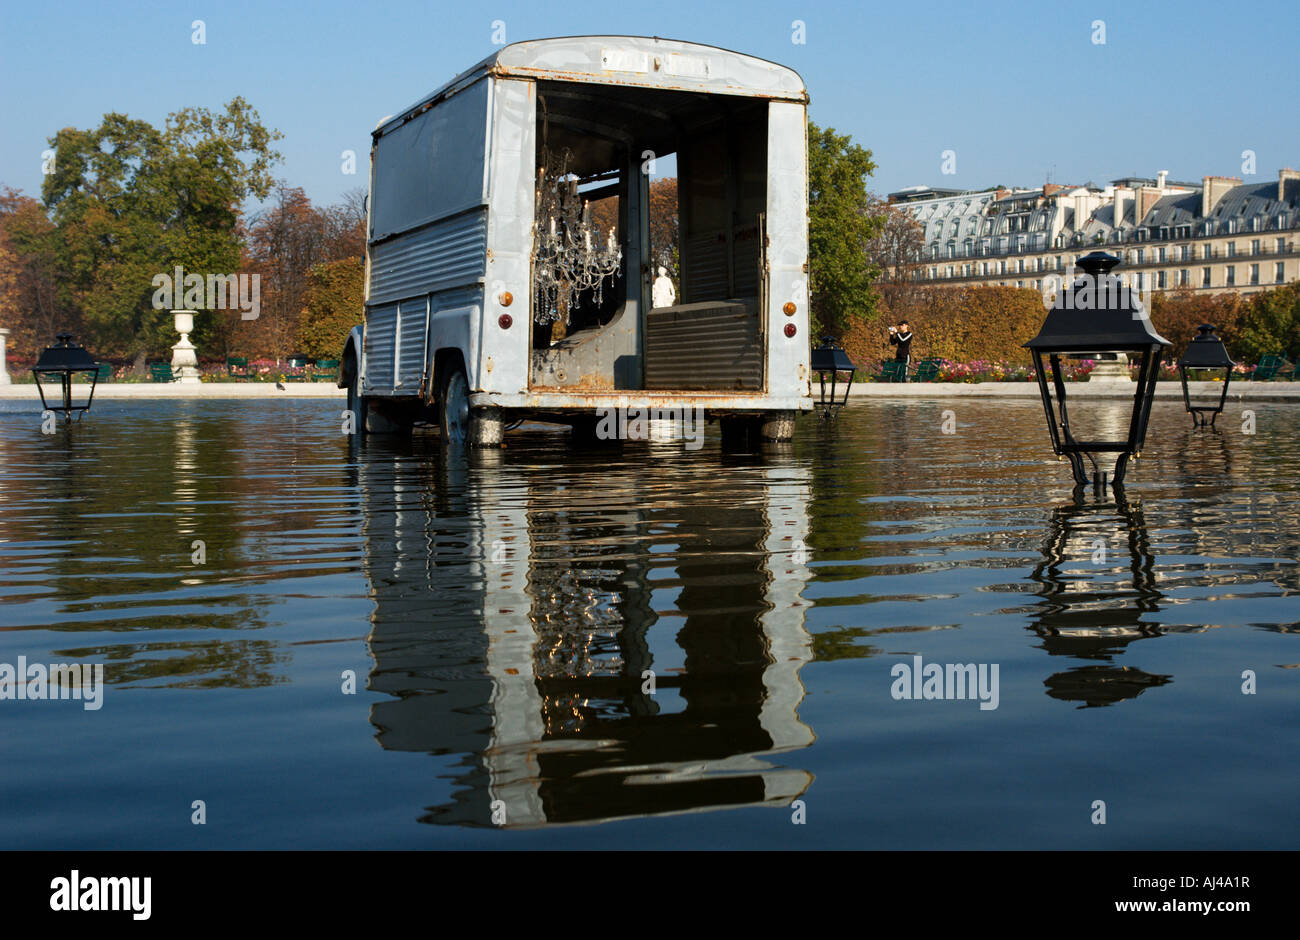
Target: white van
(494,290)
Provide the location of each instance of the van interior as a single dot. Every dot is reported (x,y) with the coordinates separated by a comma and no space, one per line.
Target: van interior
(609,142)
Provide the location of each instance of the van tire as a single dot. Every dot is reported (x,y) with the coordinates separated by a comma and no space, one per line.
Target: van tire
(486,427)
(458,423)
(357,403)
(777,426)
(384,418)
(453,406)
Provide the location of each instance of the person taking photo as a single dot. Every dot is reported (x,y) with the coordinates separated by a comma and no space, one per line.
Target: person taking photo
(901,336)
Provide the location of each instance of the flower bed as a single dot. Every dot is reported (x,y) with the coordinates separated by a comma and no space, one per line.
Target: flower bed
(985,370)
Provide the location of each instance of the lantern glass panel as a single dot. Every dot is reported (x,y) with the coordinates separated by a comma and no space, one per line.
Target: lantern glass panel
(54,372)
(835,372)
(1206,360)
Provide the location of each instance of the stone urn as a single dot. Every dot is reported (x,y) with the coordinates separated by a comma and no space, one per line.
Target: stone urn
(1113,367)
(185,364)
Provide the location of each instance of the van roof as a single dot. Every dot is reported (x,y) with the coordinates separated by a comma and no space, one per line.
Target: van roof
(636,61)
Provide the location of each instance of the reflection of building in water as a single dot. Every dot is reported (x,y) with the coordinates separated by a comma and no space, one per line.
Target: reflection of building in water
(1098,584)
(518,608)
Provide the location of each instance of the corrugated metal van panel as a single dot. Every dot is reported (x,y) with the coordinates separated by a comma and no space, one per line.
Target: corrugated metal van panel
(445,254)
(413,320)
(703,346)
(707,273)
(381,334)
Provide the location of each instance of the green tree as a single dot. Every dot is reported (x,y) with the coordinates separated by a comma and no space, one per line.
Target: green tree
(332,305)
(1271,324)
(840,228)
(130,201)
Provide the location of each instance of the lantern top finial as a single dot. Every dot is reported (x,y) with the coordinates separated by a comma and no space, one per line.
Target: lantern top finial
(1206,351)
(65,356)
(1097,263)
(1097,312)
(831,357)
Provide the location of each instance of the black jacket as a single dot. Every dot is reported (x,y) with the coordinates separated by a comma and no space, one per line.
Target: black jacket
(904,343)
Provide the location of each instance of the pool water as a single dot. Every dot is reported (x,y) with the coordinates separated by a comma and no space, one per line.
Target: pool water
(309,643)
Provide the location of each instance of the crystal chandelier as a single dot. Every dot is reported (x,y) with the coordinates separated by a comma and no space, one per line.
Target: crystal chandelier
(570,256)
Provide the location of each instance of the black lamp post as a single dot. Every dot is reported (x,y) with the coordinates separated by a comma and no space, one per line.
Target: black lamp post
(1205,351)
(1096,314)
(63,360)
(830,359)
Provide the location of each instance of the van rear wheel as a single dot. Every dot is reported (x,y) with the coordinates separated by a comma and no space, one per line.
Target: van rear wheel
(460,424)
(744,431)
(357,404)
(453,407)
(777,426)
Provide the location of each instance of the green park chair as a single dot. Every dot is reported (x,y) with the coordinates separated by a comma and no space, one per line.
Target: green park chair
(1269,367)
(892,371)
(161,372)
(105,372)
(928,370)
(295,369)
(325,370)
(237,368)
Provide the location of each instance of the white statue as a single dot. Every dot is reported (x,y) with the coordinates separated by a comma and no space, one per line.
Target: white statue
(663,294)
(185,364)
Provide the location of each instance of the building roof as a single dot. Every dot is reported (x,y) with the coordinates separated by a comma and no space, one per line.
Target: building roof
(1174,209)
(1251,199)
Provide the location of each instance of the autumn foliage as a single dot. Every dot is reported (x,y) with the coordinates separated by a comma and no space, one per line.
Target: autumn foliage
(965,324)
(332,305)
(961,324)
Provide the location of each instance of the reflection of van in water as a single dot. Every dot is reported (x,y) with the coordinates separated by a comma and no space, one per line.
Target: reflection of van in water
(512,632)
(493,291)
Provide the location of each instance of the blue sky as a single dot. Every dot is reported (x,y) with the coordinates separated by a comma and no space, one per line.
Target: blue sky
(1018,91)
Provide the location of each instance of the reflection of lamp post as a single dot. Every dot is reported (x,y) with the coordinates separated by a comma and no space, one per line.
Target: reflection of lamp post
(1082,618)
(4,372)
(185,364)
(1205,351)
(1094,315)
(830,358)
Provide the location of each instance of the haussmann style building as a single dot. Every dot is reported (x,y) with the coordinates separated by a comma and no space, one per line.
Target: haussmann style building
(1216,235)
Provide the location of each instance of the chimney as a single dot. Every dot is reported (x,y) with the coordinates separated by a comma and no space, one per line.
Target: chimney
(1123,197)
(1000,193)
(1161,177)
(1212,190)
(1288,185)
(1049,188)
(1146,198)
